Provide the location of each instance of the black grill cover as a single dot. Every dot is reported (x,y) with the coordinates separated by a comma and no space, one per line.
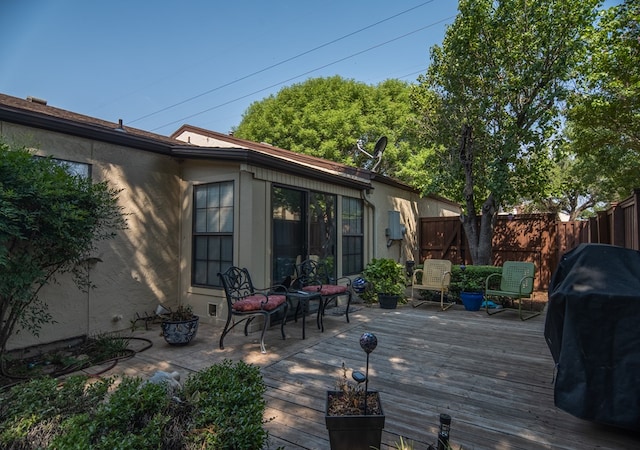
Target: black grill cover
(593,332)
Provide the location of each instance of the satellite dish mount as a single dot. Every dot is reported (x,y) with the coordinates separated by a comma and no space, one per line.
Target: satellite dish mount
(378,150)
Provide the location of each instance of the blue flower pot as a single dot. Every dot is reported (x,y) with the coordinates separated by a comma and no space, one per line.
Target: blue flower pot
(472,300)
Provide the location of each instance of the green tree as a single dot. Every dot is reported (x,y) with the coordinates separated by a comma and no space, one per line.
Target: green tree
(574,188)
(490,101)
(49,222)
(326,117)
(603,115)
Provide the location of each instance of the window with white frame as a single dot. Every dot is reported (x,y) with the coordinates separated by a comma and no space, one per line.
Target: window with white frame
(212,232)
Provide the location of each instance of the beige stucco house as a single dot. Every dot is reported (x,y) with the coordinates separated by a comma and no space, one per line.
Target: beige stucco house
(199,201)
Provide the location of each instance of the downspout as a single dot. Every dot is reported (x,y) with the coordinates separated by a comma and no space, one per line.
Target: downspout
(372,207)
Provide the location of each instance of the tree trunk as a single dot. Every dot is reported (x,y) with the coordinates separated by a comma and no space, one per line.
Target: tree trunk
(479,237)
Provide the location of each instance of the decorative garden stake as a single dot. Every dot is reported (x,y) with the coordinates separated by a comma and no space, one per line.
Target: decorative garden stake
(355,422)
(368,342)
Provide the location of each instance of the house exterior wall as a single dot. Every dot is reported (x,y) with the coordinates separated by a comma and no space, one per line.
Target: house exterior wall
(411,206)
(382,199)
(252,224)
(150,262)
(137,269)
(434,207)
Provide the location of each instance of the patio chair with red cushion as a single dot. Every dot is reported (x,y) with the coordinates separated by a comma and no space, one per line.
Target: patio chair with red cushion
(313,276)
(244,300)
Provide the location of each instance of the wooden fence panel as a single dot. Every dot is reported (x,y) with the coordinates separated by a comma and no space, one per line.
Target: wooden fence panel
(537,238)
(571,234)
(530,237)
(441,238)
(631,217)
(517,238)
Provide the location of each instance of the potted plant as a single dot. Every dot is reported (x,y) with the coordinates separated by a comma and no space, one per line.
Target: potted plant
(354,415)
(472,290)
(387,280)
(179,327)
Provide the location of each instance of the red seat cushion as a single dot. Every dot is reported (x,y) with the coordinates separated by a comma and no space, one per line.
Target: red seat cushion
(255,303)
(327,289)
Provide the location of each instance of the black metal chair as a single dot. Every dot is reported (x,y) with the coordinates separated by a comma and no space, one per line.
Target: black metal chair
(312,276)
(244,300)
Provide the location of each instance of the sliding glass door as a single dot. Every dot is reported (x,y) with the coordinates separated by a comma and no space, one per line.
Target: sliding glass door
(304,226)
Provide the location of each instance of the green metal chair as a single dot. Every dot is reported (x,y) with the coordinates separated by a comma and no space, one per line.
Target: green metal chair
(516,283)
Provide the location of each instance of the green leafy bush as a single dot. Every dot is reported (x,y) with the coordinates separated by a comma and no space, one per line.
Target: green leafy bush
(471,279)
(51,220)
(386,276)
(219,407)
(230,405)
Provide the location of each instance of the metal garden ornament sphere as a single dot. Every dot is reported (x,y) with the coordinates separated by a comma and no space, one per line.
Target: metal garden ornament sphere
(368,342)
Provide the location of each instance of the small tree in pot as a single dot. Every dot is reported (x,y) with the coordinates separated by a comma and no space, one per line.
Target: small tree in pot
(387,281)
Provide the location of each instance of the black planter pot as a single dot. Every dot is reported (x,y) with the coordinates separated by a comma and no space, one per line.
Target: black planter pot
(179,332)
(388,301)
(355,432)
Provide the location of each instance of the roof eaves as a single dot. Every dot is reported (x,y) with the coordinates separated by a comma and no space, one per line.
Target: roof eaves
(253,157)
(389,181)
(120,136)
(294,157)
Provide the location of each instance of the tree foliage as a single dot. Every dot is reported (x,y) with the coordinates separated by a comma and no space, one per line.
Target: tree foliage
(490,101)
(603,114)
(574,189)
(325,117)
(49,222)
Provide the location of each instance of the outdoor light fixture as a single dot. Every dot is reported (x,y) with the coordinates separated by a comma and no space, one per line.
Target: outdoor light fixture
(443,433)
(368,342)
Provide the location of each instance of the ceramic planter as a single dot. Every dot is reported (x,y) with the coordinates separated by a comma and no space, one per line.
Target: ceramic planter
(354,432)
(472,301)
(179,332)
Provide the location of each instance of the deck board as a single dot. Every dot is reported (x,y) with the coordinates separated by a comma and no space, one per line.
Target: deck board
(493,375)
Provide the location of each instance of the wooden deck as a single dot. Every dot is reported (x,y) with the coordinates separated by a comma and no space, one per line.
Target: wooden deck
(493,375)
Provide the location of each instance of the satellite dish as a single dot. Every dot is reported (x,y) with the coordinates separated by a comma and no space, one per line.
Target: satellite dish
(378,150)
(380,146)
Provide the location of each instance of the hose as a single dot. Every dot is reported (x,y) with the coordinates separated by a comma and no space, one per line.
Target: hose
(112,362)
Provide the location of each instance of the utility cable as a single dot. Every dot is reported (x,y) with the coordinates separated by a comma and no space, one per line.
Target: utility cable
(303,74)
(279,63)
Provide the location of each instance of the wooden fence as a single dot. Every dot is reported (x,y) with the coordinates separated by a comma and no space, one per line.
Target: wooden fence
(538,238)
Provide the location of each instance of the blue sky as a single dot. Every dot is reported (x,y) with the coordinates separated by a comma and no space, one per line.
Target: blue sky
(160,64)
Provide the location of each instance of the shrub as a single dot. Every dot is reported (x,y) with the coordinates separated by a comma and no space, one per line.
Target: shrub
(229,404)
(471,279)
(51,220)
(386,276)
(219,407)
